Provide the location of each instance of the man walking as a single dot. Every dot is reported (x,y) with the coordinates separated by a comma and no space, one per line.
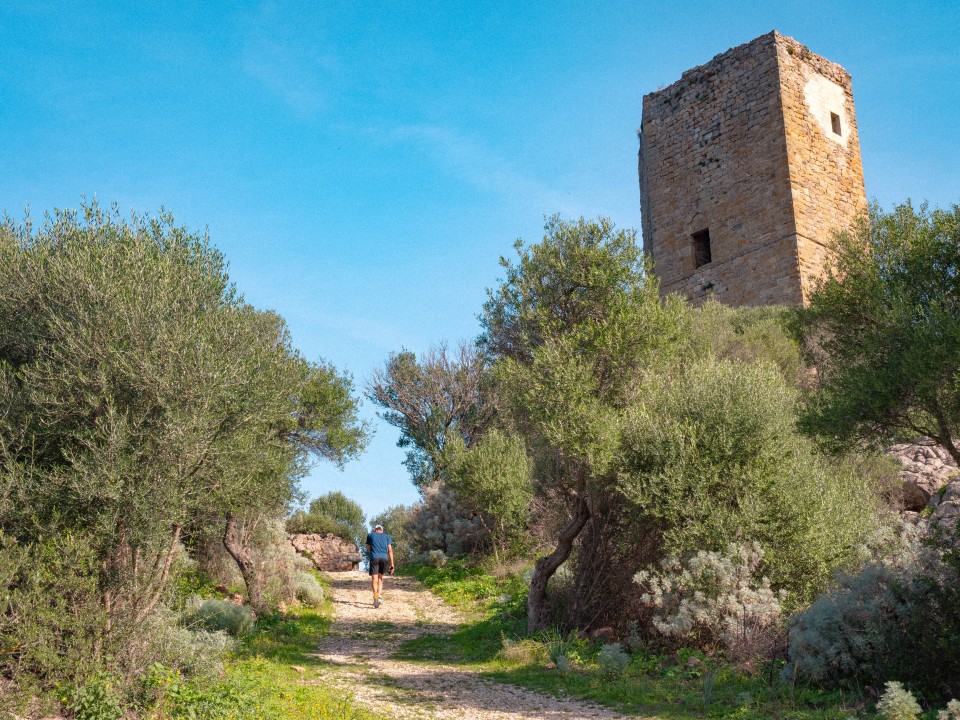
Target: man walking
(380,546)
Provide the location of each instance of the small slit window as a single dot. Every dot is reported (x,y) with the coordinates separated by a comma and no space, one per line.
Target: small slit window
(835,123)
(701,248)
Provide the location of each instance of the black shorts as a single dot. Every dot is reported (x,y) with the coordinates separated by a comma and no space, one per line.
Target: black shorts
(379,566)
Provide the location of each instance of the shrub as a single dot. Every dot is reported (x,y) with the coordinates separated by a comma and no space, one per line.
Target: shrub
(897,618)
(715,600)
(309,590)
(951,713)
(724,433)
(51,618)
(331,513)
(441,522)
(562,649)
(521,652)
(96,699)
(213,615)
(195,651)
(898,703)
(613,660)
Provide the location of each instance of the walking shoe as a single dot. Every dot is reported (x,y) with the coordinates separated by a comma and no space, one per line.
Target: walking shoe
(376,602)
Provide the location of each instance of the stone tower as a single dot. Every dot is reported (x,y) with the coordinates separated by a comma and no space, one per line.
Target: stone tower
(748,165)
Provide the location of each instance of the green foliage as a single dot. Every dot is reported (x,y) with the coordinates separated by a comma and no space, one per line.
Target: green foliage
(257,684)
(898,703)
(331,513)
(711,456)
(651,685)
(431,401)
(563,649)
(51,618)
(213,615)
(883,329)
(495,478)
(96,699)
(747,335)
(142,402)
(572,328)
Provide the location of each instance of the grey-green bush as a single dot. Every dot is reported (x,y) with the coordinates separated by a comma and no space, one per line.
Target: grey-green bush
(193,650)
(213,615)
(309,589)
(898,618)
(952,711)
(613,659)
(716,601)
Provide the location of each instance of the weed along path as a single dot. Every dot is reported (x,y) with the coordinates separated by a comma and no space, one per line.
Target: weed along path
(359,652)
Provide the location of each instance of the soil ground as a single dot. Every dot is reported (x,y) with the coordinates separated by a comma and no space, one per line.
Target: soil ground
(362,640)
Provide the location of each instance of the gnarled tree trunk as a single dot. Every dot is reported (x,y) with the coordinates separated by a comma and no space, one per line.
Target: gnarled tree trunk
(547,566)
(248,569)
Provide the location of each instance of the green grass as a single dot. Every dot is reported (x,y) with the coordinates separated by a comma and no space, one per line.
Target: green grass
(260,682)
(493,643)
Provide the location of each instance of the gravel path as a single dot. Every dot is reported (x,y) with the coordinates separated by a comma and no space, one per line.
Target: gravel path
(361,642)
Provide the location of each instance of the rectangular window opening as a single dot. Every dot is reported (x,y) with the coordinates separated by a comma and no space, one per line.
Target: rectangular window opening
(835,123)
(701,248)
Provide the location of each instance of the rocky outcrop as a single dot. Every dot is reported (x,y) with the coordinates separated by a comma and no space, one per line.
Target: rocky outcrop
(927,469)
(327,551)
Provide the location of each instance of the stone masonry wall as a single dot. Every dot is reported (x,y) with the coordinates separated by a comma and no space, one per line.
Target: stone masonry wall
(826,174)
(738,146)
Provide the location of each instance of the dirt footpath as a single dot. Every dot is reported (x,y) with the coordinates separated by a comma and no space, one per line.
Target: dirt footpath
(362,640)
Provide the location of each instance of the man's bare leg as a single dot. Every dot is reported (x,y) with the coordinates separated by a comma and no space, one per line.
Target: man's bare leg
(377,581)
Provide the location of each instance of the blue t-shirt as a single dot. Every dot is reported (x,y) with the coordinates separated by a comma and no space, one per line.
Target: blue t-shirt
(378,542)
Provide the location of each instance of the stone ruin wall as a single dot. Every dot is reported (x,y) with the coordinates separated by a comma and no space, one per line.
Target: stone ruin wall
(744,146)
(826,173)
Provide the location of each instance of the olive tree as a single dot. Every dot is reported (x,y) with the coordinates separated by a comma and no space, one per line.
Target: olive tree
(494,477)
(883,330)
(144,399)
(570,330)
(433,400)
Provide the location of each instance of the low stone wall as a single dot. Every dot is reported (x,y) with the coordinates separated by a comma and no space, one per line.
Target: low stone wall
(327,551)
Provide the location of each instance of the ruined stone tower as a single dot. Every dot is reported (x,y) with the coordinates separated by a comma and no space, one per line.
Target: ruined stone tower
(748,165)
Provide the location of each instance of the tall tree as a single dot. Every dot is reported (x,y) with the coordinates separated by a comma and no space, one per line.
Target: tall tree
(570,330)
(143,396)
(432,400)
(883,330)
(333,512)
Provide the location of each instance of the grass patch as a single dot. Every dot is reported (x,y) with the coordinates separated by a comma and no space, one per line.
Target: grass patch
(493,643)
(260,682)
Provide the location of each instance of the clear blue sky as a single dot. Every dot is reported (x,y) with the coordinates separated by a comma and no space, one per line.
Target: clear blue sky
(364,164)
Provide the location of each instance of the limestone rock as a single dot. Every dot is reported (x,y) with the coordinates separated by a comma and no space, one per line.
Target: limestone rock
(327,551)
(926,470)
(946,515)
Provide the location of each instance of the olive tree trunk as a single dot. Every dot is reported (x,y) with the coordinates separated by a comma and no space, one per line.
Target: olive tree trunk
(547,566)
